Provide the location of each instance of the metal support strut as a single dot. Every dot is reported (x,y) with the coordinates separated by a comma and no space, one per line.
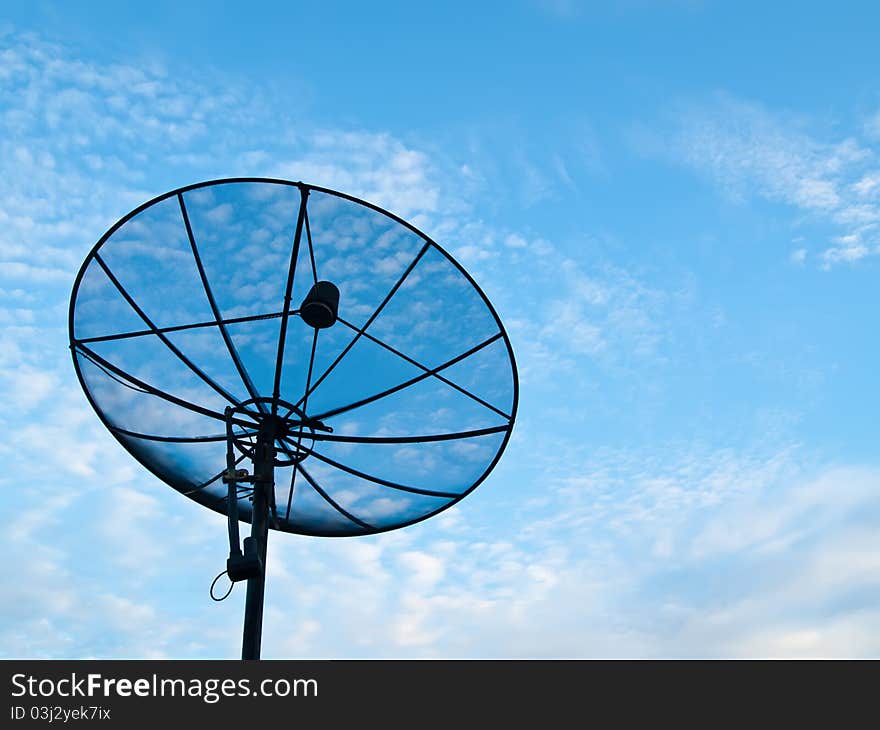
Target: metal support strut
(250,564)
(264,485)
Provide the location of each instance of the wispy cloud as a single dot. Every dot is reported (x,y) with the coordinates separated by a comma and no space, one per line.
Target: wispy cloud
(706,554)
(872,127)
(751,151)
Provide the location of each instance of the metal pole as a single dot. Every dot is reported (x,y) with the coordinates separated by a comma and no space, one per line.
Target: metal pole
(264,471)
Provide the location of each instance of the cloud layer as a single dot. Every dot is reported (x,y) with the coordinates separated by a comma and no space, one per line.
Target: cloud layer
(567,550)
(750,151)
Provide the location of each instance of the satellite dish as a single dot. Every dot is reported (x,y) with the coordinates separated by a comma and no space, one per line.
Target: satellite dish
(292,357)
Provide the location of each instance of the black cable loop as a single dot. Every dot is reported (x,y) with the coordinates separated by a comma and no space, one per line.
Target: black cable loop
(225,595)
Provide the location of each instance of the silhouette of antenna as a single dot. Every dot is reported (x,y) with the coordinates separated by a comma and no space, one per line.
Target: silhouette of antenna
(292,357)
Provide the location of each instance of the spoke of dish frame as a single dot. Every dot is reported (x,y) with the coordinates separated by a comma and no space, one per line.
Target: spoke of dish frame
(181,327)
(212,479)
(240,493)
(425,369)
(407,383)
(128,381)
(305,406)
(181,439)
(290,493)
(162,338)
(317,436)
(215,310)
(152,390)
(311,248)
(379,480)
(82,353)
(373,316)
(288,290)
(327,498)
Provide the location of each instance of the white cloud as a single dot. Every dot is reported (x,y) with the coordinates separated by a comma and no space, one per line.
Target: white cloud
(751,151)
(872,126)
(375,167)
(426,570)
(847,248)
(868,185)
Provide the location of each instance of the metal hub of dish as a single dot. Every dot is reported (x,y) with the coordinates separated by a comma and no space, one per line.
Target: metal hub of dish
(288,429)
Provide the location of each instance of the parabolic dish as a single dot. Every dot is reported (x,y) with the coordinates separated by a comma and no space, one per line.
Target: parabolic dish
(191,304)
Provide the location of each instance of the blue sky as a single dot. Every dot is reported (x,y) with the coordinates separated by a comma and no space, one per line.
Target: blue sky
(674,206)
